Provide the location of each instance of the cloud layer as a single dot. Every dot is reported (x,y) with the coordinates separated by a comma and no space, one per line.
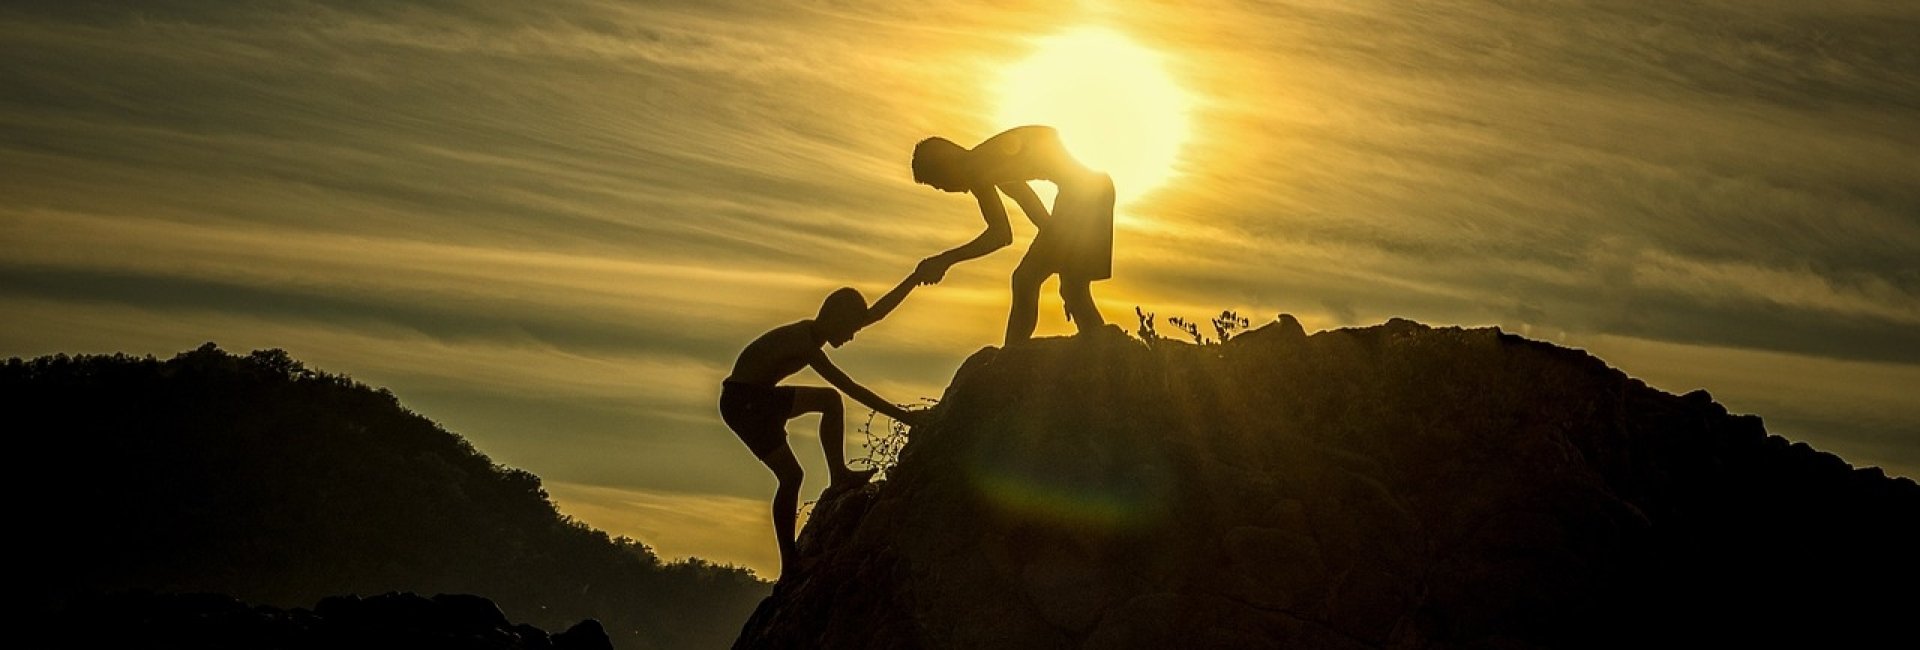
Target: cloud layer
(551,225)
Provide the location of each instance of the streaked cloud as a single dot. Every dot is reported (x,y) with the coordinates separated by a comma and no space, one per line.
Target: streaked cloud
(551,225)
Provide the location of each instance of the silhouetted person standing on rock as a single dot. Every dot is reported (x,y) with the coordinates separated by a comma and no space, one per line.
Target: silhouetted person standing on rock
(757,408)
(1075,239)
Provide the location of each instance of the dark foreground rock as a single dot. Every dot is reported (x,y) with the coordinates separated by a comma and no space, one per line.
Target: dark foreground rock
(392,620)
(1387,487)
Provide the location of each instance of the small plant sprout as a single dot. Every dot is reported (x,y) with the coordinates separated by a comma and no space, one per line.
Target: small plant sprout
(1145,332)
(1225,326)
(1191,328)
(1228,324)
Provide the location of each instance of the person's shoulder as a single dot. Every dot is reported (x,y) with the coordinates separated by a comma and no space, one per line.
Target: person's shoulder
(1034,131)
(797,334)
(1037,134)
(800,332)
(1019,139)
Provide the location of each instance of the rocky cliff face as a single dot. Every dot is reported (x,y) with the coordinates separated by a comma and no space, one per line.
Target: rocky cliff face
(1392,486)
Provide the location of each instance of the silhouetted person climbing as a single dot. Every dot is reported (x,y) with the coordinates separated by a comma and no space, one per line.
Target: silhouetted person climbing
(757,408)
(1075,240)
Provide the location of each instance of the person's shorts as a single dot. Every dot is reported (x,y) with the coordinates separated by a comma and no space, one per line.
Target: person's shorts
(758,414)
(1083,259)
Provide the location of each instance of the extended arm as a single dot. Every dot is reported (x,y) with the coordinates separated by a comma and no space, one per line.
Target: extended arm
(1029,202)
(998,234)
(886,303)
(821,364)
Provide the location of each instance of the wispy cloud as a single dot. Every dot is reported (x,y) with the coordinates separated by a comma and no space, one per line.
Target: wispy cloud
(551,225)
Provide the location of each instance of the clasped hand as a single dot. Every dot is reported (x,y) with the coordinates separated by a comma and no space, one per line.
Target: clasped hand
(931,270)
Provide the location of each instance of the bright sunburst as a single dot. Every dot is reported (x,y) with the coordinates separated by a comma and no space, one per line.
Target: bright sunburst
(1112,99)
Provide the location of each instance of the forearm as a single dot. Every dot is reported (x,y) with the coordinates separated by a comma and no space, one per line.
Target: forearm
(873,401)
(886,303)
(988,241)
(998,235)
(1029,202)
(853,389)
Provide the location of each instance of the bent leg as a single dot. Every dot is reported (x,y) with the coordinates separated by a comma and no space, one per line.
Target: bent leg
(827,403)
(1078,294)
(1025,311)
(786,503)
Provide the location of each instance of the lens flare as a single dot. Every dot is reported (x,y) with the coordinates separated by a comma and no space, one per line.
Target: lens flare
(1111,501)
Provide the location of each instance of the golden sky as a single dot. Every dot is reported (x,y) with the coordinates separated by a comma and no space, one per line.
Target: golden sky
(551,225)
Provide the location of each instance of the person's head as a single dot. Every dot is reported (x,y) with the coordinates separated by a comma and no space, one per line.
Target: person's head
(940,163)
(841,316)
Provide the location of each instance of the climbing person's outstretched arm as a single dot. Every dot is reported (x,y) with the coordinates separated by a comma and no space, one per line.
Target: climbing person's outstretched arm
(886,303)
(821,364)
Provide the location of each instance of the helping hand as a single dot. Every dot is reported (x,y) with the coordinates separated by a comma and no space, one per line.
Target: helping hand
(931,270)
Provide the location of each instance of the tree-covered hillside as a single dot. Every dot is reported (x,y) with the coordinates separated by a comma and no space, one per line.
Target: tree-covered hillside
(256,477)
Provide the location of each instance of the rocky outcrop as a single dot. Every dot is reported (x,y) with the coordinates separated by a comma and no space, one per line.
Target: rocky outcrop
(1392,486)
(392,620)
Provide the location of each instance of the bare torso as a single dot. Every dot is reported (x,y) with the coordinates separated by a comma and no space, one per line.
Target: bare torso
(776,355)
(1077,237)
(1028,153)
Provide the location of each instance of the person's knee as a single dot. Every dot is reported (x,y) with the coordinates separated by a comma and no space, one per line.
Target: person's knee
(785,467)
(829,400)
(1027,280)
(824,400)
(790,477)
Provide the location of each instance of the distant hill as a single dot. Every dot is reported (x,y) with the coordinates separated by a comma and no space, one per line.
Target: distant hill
(1394,486)
(255,477)
(397,621)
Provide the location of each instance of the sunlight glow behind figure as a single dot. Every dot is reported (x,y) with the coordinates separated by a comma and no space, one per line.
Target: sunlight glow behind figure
(1112,100)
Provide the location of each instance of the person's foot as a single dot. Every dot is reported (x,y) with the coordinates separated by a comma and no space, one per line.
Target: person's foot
(847,480)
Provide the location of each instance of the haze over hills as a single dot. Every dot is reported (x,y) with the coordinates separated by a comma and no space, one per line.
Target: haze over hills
(1390,486)
(255,477)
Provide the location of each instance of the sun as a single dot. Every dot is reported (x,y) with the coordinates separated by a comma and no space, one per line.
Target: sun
(1116,107)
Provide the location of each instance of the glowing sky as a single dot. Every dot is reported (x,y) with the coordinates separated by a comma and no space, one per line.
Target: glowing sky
(550,225)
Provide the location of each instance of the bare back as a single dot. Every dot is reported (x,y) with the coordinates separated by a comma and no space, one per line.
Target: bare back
(1026,153)
(776,355)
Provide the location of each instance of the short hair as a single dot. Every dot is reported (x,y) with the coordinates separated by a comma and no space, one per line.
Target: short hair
(844,302)
(935,156)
